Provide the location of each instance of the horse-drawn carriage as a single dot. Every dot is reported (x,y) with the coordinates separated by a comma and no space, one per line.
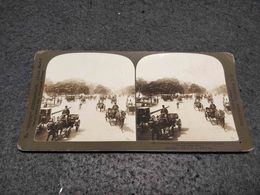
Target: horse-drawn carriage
(198,106)
(59,128)
(62,127)
(45,115)
(115,117)
(187,96)
(83,99)
(215,116)
(198,97)
(44,118)
(130,108)
(167,97)
(147,101)
(90,97)
(102,97)
(113,100)
(227,107)
(70,98)
(166,123)
(210,99)
(101,106)
(163,124)
(179,98)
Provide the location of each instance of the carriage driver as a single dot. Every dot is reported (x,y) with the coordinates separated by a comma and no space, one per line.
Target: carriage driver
(66,111)
(212,106)
(164,112)
(115,107)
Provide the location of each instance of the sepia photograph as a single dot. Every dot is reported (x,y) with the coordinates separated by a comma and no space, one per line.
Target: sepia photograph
(88,97)
(182,97)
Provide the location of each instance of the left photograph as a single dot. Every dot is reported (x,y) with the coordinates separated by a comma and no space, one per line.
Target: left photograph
(88,97)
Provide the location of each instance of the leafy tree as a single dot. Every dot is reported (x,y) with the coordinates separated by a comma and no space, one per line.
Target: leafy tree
(194,88)
(66,87)
(140,84)
(100,89)
(222,89)
(129,90)
(163,86)
(167,86)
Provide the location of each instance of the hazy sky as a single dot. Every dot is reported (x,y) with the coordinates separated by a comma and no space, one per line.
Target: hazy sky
(113,71)
(198,68)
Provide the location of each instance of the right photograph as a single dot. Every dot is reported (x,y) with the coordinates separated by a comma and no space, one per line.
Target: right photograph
(182,97)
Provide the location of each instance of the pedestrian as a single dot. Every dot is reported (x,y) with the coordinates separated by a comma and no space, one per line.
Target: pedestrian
(178,105)
(80,104)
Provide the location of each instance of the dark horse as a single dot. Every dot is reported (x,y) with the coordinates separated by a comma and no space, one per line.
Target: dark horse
(120,118)
(198,106)
(167,123)
(218,115)
(101,106)
(116,117)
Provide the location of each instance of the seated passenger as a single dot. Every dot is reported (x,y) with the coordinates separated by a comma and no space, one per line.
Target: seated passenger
(115,107)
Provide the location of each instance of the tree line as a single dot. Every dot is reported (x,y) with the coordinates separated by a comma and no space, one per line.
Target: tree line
(167,86)
(222,89)
(129,90)
(73,87)
(160,86)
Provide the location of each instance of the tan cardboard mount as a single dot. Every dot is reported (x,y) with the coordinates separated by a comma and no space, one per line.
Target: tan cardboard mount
(26,140)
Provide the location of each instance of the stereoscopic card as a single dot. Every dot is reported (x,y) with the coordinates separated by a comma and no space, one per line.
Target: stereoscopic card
(134,101)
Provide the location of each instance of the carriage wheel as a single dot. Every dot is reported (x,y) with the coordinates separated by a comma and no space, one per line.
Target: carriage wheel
(206,116)
(68,133)
(166,130)
(228,111)
(179,125)
(212,121)
(52,138)
(173,131)
(121,126)
(223,123)
(77,126)
(110,122)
